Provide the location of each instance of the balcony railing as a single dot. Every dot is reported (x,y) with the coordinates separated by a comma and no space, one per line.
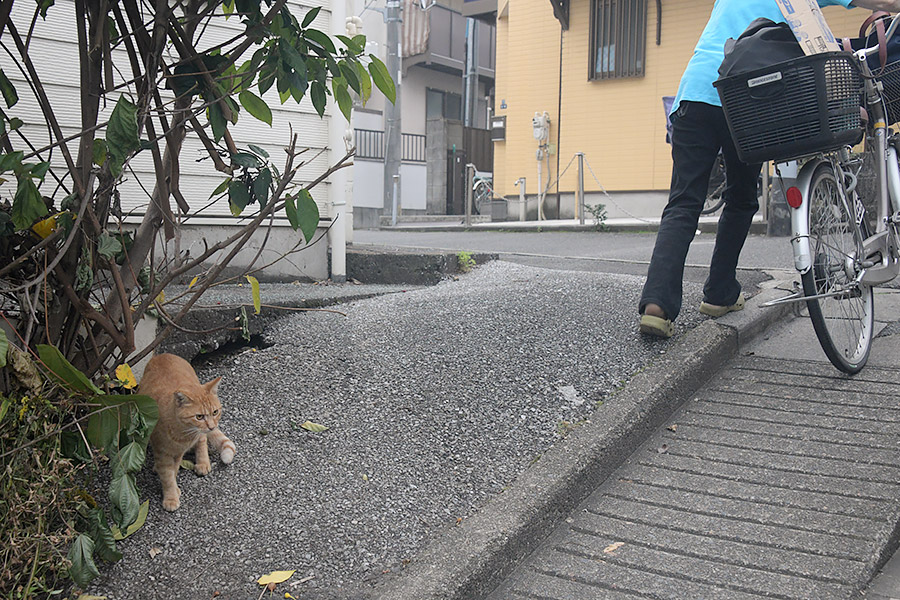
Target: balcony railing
(445,49)
(370,145)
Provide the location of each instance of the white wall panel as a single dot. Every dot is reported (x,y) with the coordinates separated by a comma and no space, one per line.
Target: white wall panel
(412,186)
(55,54)
(368,179)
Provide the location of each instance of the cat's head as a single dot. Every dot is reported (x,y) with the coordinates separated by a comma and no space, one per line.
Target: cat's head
(199,407)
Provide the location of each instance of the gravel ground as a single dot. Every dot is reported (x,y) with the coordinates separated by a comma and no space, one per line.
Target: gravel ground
(435,400)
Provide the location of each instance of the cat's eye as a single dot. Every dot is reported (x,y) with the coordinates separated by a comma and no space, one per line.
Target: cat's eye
(199,417)
(215,412)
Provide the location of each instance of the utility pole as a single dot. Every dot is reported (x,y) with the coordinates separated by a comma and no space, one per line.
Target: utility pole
(471,76)
(392,125)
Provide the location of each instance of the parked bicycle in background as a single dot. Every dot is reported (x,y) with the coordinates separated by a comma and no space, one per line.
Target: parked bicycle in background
(482,192)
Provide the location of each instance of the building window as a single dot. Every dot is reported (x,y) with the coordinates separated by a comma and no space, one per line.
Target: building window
(434,104)
(618,38)
(439,103)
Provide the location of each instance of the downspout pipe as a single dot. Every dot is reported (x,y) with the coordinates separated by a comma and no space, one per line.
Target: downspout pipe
(558,122)
(658,22)
(341,185)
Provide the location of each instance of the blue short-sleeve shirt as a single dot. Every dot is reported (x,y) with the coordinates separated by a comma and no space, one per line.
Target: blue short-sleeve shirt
(729,19)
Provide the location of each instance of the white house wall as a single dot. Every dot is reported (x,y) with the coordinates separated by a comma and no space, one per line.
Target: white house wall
(368,180)
(371,172)
(412,186)
(54,52)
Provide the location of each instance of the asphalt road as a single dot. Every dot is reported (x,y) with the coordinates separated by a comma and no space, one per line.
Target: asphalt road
(435,400)
(588,251)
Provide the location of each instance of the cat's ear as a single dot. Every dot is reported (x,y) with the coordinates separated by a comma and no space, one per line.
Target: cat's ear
(181,399)
(213,386)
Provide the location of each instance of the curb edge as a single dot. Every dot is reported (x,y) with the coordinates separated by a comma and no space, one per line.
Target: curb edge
(469,560)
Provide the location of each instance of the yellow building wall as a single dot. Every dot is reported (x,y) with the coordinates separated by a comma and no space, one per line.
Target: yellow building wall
(618,124)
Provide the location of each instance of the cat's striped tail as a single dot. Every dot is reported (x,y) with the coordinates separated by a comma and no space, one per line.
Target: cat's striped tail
(224,446)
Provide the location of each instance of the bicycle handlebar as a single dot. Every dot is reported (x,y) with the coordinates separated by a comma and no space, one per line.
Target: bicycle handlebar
(867,52)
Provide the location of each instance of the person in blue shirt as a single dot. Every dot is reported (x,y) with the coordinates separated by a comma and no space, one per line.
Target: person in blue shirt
(699,132)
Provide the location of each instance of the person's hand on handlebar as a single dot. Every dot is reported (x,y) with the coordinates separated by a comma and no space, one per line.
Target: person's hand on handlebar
(889,5)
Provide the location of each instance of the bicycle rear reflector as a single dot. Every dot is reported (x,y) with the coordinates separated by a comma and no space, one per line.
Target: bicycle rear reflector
(794,197)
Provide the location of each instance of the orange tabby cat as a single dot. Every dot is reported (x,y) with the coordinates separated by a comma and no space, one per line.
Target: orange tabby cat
(188,416)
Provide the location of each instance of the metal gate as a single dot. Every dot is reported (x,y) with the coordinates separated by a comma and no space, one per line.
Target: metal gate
(456,181)
(477,149)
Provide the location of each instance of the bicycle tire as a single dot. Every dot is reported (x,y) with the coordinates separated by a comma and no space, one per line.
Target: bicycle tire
(843,321)
(481,196)
(715,192)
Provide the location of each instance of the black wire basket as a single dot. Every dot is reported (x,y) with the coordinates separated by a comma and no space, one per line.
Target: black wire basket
(890,77)
(795,108)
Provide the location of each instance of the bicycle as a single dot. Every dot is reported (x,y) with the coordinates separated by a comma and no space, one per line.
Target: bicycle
(715,197)
(482,191)
(715,191)
(839,254)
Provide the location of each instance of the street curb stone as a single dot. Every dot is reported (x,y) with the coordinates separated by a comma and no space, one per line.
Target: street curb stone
(469,560)
(399,266)
(757,227)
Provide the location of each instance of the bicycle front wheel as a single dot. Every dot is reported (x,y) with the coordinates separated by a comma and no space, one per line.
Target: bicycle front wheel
(840,307)
(715,191)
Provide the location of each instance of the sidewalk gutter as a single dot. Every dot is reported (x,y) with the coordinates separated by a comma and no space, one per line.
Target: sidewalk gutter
(468,561)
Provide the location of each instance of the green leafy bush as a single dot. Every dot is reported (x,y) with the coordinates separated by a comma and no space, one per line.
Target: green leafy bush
(51,443)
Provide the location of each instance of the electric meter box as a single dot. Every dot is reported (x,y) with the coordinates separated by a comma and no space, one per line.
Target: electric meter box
(540,125)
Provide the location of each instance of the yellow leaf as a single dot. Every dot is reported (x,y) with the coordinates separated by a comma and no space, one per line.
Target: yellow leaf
(138,523)
(314,427)
(193,282)
(45,227)
(126,376)
(286,595)
(275,577)
(161,298)
(613,547)
(88,597)
(254,286)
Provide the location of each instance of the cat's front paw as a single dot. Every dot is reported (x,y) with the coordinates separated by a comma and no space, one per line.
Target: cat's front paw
(202,468)
(227,454)
(171,503)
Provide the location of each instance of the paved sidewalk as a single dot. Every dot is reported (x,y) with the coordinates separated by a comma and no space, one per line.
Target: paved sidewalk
(779,478)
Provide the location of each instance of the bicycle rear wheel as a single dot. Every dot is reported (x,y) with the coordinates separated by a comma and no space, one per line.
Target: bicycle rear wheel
(843,317)
(481,196)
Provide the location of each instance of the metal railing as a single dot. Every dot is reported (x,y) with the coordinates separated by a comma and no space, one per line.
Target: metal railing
(370,145)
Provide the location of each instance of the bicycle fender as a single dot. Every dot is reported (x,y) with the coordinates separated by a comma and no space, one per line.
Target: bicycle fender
(800,218)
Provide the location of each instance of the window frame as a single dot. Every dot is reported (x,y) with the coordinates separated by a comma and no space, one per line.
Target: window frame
(625,32)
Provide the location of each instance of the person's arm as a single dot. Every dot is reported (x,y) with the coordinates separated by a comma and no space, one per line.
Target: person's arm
(888,5)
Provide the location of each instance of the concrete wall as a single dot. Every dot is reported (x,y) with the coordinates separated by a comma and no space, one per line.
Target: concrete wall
(442,135)
(306,263)
(368,180)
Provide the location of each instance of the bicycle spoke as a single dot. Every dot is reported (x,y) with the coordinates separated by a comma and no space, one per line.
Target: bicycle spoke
(840,306)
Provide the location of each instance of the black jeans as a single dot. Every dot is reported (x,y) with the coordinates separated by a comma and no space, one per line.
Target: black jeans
(699,132)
